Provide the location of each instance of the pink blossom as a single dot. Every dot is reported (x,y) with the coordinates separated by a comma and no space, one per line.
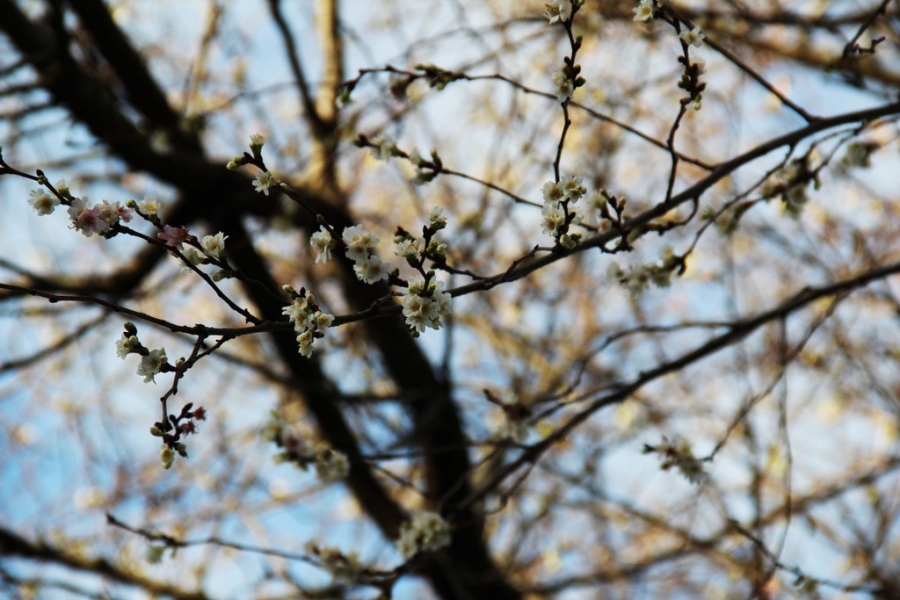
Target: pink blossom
(90,222)
(174,236)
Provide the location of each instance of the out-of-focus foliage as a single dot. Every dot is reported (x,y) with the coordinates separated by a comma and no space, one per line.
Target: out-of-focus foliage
(671,368)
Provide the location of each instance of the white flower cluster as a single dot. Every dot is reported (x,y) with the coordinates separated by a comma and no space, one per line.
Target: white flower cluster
(564,87)
(858,155)
(640,276)
(212,246)
(790,184)
(384,149)
(677,453)
(559,211)
(360,243)
(87,219)
(345,567)
(309,322)
(410,248)
(426,532)
(413,249)
(322,242)
(331,464)
(425,170)
(637,279)
(425,304)
(152,361)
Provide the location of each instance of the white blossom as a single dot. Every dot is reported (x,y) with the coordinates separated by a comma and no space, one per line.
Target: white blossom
(614,272)
(795,199)
(112,213)
(422,310)
(85,219)
(857,155)
(661,277)
(426,532)
(76,207)
(342,566)
(644,12)
(307,321)
(321,320)
(358,241)
(371,269)
(214,245)
(557,11)
(126,345)
(677,453)
(322,242)
(564,86)
(694,37)
(700,63)
(436,218)
(152,364)
(576,215)
(572,188)
(305,342)
(569,240)
(296,313)
(42,202)
(415,285)
(331,464)
(384,149)
(553,192)
(264,182)
(442,299)
(411,248)
(415,157)
(554,218)
(419,312)
(167,457)
(194,256)
(422,177)
(637,279)
(149,206)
